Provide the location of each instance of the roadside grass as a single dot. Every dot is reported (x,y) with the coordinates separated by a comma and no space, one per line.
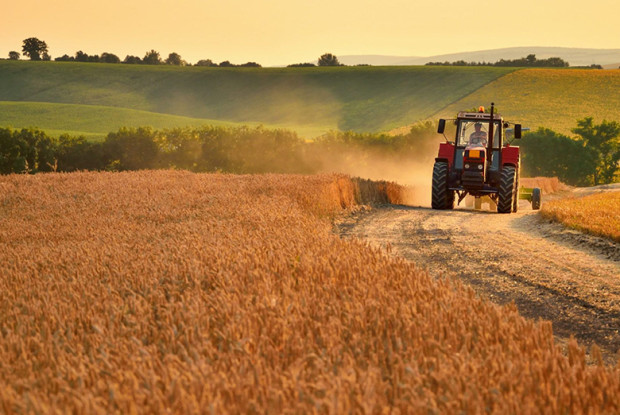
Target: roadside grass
(316,100)
(596,214)
(551,98)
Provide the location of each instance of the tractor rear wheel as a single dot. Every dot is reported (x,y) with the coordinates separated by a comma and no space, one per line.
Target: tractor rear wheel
(506,194)
(442,197)
(536,198)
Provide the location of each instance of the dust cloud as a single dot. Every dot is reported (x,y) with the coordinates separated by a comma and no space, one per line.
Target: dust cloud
(413,172)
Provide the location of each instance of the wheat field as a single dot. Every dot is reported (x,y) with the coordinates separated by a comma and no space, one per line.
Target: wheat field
(173,292)
(548,185)
(597,214)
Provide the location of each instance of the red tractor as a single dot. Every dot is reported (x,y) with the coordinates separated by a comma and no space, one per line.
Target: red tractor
(478,163)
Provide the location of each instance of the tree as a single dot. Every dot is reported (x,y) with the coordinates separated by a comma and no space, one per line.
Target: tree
(131,149)
(65,58)
(530,59)
(206,62)
(328,59)
(78,153)
(175,59)
(34,48)
(81,56)
(109,58)
(13,55)
(558,63)
(250,65)
(226,64)
(132,59)
(604,140)
(301,65)
(151,58)
(547,153)
(26,151)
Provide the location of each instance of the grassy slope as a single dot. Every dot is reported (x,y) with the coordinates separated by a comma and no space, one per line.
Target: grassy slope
(92,121)
(553,98)
(307,99)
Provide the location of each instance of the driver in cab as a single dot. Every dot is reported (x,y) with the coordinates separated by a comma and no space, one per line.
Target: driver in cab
(478,137)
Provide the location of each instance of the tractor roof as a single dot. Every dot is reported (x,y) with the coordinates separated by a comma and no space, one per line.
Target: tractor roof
(478,115)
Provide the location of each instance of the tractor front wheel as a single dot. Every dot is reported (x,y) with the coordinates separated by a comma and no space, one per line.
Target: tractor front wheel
(507,190)
(442,197)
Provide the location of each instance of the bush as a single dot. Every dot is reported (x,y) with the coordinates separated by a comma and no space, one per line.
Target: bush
(131,149)
(26,151)
(547,153)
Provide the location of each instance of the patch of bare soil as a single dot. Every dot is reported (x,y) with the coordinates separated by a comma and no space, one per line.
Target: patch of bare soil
(548,271)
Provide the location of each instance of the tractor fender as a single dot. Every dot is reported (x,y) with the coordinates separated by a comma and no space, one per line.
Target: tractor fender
(510,156)
(446,153)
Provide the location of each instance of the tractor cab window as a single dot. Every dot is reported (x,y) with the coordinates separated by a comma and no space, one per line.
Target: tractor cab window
(473,132)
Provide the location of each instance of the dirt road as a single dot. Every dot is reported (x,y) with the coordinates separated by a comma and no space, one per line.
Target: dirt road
(550,272)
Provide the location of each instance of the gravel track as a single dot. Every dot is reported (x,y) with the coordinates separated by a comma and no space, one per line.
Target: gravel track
(547,270)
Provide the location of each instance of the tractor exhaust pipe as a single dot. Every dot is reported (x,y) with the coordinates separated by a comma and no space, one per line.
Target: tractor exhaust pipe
(490,140)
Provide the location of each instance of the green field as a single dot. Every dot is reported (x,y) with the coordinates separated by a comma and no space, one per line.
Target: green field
(91,121)
(99,98)
(309,100)
(551,98)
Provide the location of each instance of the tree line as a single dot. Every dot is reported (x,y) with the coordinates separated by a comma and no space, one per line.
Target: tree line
(590,158)
(37,50)
(205,149)
(530,61)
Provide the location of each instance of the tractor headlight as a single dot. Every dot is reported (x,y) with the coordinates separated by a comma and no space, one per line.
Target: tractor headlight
(467,166)
(479,166)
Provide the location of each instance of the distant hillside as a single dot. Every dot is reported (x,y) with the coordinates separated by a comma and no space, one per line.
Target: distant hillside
(309,100)
(93,99)
(574,56)
(552,98)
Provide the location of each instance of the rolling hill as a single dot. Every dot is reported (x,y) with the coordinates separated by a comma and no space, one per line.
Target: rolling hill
(552,98)
(309,100)
(94,99)
(91,121)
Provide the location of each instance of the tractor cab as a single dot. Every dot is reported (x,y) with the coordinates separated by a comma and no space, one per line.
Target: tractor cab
(478,162)
(477,150)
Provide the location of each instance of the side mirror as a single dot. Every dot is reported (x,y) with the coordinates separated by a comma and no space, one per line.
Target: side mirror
(442,126)
(517,130)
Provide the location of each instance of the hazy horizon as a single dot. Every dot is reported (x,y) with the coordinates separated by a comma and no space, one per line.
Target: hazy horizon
(278,32)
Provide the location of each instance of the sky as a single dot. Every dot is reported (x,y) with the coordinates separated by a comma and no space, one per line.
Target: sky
(281,32)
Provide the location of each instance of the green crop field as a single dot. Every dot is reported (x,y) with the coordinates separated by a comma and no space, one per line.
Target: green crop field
(309,100)
(551,98)
(93,99)
(91,121)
